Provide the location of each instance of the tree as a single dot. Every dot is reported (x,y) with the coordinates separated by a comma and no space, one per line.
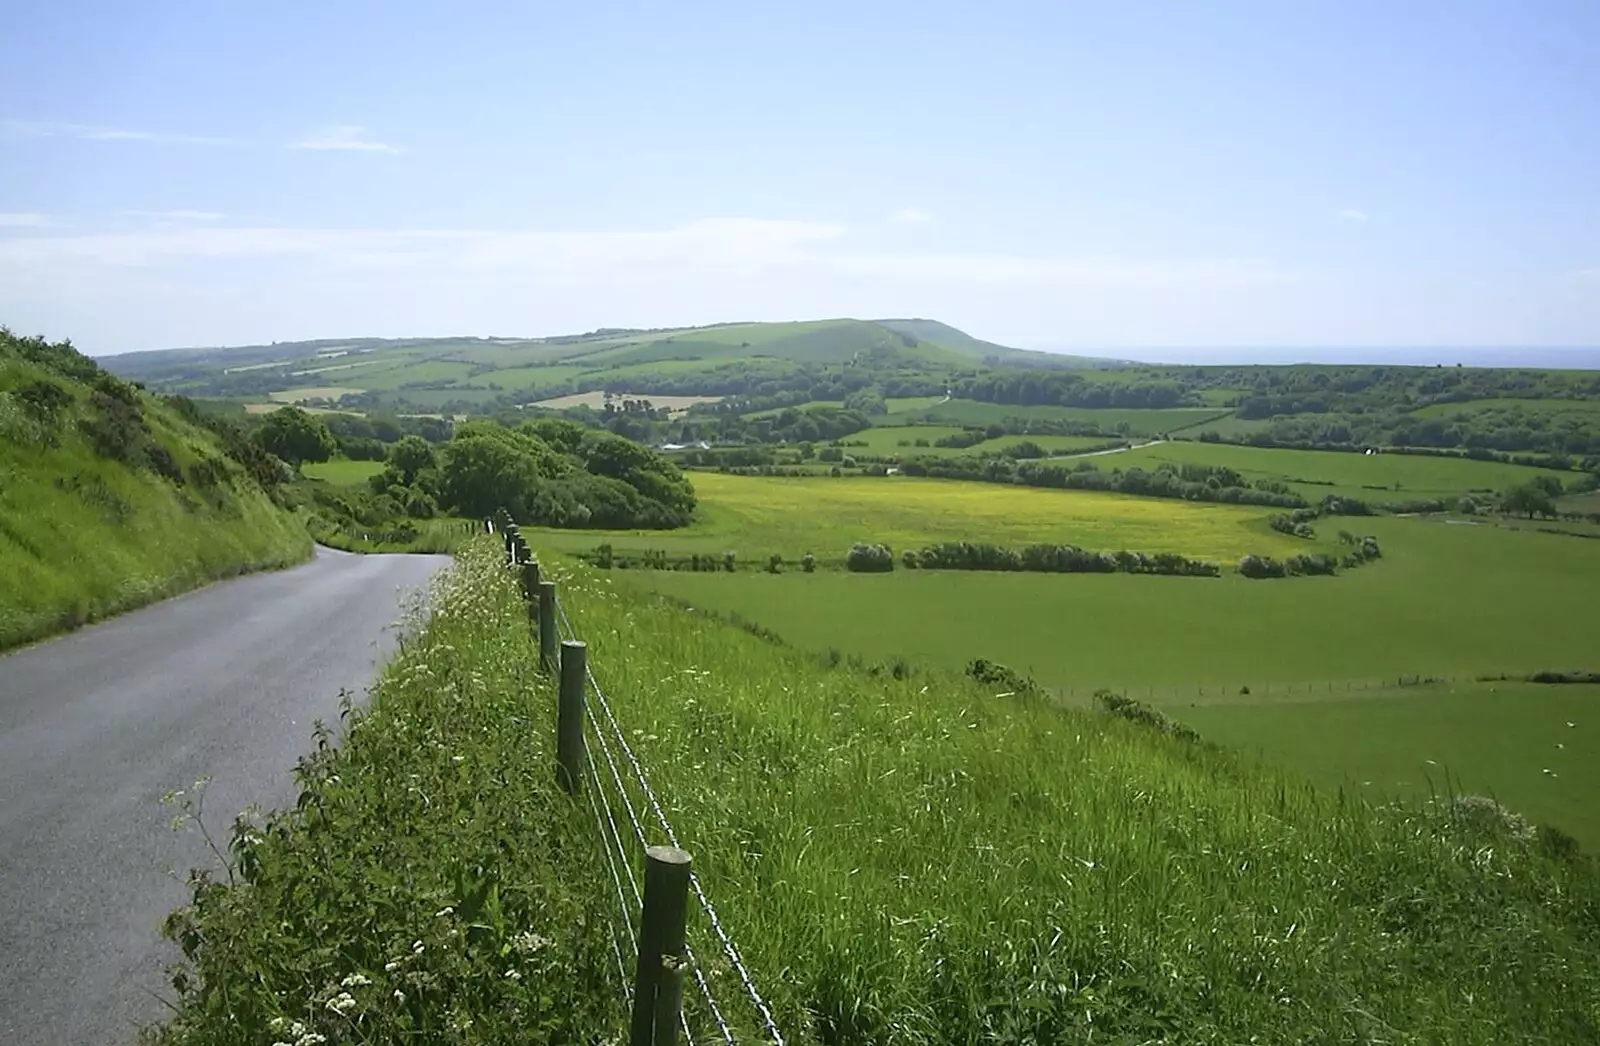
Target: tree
(1530,498)
(295,436)
(410,456)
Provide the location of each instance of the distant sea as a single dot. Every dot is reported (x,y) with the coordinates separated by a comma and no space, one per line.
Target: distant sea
(1475,356)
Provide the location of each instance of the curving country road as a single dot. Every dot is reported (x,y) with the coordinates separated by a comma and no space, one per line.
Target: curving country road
(96,726)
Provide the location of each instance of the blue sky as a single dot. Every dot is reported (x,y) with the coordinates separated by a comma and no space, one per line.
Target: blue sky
(1046,174)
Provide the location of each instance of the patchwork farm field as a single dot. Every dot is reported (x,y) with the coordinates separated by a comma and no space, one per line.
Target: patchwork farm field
(1317,473)
(790,516)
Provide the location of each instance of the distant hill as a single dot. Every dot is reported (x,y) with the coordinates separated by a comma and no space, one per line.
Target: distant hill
(467,375)
(111,497)
(944,335)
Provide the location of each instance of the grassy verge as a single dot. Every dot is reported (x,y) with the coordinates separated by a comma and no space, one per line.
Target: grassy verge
(907,860)
(111,498)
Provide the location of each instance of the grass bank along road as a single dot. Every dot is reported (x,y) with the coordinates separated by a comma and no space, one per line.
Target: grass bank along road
(96,726)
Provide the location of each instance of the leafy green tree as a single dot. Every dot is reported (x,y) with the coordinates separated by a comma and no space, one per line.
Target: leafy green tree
(410,456)
(1530,498)
(295,436)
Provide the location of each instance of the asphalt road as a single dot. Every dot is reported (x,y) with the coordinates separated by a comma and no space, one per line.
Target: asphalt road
(95,726)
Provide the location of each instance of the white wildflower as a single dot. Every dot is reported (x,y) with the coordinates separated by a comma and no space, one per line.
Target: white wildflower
(391,966)
(399,996)
(355,980)
(278,1023)
(513,975)
(416,948)
(442,912)
(530,942)
(344,1002)
(310,1038)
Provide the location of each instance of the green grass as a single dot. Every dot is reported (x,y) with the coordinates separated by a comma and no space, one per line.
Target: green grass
(1137,422)
(1548,407)
(900,441)
(1317,473)
(759,516)
(886,439)
(341,471)
(1445,600)
(1487,738)
(83,536)
(908,862)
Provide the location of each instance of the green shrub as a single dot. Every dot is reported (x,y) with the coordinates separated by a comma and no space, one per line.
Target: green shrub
(869,559)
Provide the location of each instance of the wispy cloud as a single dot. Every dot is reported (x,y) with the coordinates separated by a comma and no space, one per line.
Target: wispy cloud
(177,216)
(1590,274)
(23,220)
(713,247)
(95,133)
(345,137)
(1352,214)
(911,216)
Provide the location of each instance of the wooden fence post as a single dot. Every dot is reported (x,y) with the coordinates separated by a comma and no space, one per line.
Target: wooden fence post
(569,717)
(656,1006)
(547,626)
(530,588)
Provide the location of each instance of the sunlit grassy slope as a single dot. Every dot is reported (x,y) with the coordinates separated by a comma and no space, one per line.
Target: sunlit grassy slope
(912,861)
(84,535)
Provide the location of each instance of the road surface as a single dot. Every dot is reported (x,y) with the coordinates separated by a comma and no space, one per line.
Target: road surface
(95,726)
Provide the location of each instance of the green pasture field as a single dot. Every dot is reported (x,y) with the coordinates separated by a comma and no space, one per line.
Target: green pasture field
(772,411)
(1533,406)
(1229,426)
(1445,600)
(1317,473)
(790,516)
(391,378)
(886,439)
(1054,445)
(1138,422)
(900,441)
(520,378)
(341,471)
(894,406)
(1484,738)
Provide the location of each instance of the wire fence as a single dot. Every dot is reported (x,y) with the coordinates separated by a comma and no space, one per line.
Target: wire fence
(617,790)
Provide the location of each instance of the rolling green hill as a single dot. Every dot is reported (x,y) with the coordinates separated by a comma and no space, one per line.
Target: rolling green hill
(111,498)
(471,375)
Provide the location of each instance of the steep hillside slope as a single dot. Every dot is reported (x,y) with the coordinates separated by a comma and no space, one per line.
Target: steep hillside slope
(111,498)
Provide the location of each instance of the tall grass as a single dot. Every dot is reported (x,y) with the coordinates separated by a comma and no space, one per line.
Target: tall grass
(901,861)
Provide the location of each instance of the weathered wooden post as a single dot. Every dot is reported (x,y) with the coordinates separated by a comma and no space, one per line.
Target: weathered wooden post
(569,717)
(547,626)
(530,587)
(658,978)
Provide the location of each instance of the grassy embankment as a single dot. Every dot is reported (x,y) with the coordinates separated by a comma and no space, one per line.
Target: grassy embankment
(901,861)
(110,499)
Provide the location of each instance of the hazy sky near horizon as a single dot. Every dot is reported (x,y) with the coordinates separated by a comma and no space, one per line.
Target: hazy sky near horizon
(1044,174)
